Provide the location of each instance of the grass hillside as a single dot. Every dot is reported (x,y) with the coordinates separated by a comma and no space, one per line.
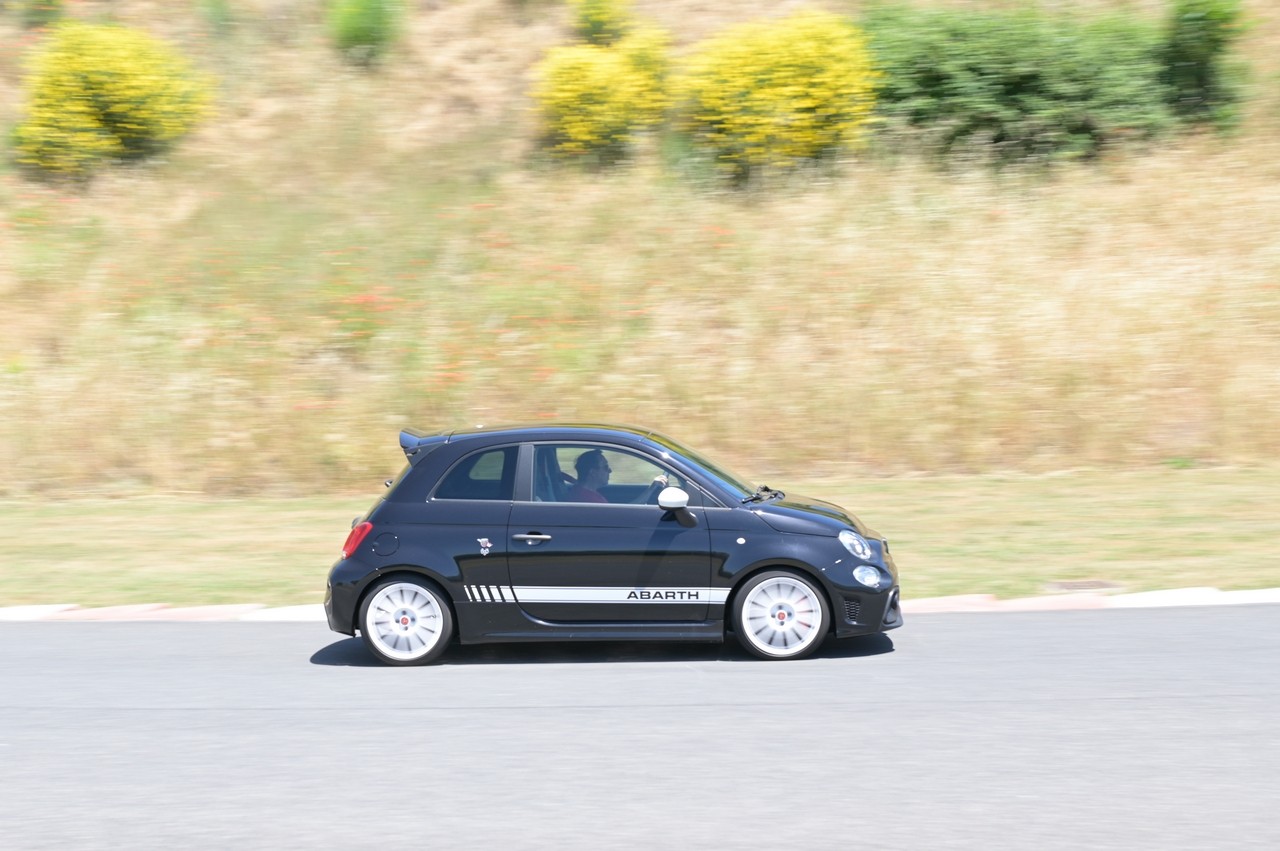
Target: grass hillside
(341,252)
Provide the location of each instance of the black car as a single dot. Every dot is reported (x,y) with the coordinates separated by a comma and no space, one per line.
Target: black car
(585,532)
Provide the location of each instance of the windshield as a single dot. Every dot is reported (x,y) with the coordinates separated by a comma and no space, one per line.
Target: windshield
(727,479)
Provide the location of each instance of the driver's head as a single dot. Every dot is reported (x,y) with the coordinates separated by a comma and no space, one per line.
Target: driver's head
(592,466)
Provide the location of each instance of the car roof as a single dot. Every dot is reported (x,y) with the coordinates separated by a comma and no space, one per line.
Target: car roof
(413,441)
(535,430)
(541,429)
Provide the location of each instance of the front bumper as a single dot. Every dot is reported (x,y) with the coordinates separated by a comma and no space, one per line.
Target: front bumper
(857,613)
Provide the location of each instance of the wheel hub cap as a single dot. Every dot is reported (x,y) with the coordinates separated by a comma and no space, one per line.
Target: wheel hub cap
(404,621)
(782,617)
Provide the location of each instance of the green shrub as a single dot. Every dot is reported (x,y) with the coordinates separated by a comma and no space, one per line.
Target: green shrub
(39,13)
(364,29)
(1203,85)
(1020,84)
(777,93)
(98,93)
(593,101)
(601,22)
(218,15)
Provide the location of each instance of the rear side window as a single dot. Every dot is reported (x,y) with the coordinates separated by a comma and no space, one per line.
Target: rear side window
(490,475)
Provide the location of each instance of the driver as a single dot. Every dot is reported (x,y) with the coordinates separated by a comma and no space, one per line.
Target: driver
(593,474)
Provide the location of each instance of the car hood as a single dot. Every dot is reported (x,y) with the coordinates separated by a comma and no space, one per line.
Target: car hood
(802,515)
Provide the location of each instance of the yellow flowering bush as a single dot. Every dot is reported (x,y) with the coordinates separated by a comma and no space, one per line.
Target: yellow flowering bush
(774,93)
(100,92)
(647,51)
(593,100)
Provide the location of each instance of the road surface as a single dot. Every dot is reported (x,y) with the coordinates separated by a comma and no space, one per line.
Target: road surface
(1125,729)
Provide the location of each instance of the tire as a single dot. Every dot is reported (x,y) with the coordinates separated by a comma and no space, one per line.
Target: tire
(780,615)
(406,622)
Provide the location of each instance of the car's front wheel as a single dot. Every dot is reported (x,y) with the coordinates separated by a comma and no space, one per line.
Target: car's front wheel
(406,622)
(780,615)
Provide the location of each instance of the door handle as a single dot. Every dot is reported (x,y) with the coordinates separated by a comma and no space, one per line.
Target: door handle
(532,538)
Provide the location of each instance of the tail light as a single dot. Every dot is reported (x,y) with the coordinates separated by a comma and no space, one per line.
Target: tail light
(356,537)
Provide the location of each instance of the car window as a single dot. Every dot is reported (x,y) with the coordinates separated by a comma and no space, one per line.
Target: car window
(584,473)
(726,478)
(483,475)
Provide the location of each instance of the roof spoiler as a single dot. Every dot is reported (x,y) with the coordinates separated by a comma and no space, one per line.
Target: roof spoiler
(417,444)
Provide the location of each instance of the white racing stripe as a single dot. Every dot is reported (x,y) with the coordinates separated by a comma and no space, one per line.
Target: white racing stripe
(606,594)
(569,594)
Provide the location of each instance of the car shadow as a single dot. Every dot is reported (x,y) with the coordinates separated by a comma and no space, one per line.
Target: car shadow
(347,653)
(351,652)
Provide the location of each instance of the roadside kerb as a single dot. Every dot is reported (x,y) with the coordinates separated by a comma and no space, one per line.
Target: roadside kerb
(33,613)
(312,612)
(1092,600)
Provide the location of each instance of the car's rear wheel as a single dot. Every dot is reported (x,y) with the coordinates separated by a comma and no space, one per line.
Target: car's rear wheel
(780,615)
(406,622)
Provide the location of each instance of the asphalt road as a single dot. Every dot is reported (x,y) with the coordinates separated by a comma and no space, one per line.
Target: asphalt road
(1106,729)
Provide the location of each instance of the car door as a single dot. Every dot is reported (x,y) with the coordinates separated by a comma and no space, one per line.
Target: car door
(622,559)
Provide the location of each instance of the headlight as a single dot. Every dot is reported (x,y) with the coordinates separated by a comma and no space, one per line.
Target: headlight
(856,544)
(867,575)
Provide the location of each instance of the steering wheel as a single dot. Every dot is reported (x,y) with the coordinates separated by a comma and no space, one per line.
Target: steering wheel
(650,495)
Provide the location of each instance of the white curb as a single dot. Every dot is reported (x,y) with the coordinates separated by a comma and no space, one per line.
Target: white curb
(1173,597)
(1261,595)
(287,614)
(34,613)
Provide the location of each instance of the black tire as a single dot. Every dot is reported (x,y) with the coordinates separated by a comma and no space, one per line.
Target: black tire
(406,621)
(780,614)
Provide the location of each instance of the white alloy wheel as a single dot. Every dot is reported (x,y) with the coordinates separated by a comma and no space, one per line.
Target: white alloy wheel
(780,615)
(404,622)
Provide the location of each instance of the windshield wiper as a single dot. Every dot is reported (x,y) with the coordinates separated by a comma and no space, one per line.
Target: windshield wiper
(762,493)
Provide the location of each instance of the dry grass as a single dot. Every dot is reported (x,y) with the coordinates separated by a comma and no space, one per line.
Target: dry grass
(340,254)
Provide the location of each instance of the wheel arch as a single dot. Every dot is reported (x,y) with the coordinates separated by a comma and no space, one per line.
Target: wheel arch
(406,572)
(786,566)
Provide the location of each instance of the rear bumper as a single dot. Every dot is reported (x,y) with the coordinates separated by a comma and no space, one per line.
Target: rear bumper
(340,598)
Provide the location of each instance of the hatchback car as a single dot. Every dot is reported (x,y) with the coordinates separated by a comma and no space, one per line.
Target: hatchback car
(589,533)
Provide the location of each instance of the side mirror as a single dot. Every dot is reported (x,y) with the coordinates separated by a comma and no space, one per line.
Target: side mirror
(673,499)
(676,501)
